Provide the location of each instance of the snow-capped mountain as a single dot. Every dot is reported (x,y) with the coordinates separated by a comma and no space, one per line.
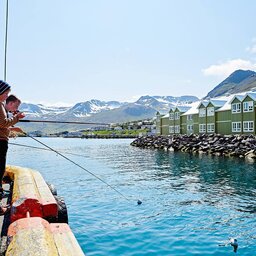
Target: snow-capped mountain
(88,108)
(111,111)
(164,103)
(39,110)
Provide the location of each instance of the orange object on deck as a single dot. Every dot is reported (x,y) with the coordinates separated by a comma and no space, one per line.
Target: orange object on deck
(30,194)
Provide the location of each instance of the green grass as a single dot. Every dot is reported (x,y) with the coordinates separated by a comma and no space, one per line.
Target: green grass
(122,132)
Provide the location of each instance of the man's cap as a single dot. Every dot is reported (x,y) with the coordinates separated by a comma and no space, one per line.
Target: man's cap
(4,87)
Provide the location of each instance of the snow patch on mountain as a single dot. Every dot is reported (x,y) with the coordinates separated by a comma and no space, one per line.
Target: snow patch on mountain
(93,107)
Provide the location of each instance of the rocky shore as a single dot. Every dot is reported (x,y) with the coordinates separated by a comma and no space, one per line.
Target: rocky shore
(243,146)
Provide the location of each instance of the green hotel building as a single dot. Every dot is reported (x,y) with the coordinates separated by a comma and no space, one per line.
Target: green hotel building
(225,115)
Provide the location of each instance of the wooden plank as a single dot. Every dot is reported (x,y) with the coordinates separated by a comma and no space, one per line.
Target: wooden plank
(47,200)
(65,240)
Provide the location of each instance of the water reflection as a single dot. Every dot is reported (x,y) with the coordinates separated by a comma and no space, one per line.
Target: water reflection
(217,179)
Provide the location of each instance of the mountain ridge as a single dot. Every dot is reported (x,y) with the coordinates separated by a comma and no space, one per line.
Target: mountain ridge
(238,81)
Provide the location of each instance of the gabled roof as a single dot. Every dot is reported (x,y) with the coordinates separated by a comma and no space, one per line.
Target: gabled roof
(204,103)
(239,97)
(193,109)
(252,95)
(217,103)
(159,114)
(183,108)
(229,99)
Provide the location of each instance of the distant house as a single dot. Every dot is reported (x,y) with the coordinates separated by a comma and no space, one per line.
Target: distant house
(74,134)
(36,134)
(232,115)
(118,128)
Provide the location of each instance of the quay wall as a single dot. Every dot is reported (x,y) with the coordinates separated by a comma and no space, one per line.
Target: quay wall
(243,146)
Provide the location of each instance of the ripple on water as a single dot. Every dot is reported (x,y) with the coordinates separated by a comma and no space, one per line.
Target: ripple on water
(191,205)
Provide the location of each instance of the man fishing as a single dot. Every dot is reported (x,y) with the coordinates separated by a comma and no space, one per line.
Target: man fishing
(5,127)
(12,104)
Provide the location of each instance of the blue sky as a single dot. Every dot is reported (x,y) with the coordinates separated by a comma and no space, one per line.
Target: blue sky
(62,51)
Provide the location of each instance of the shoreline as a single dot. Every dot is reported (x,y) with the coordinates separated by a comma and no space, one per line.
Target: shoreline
(243,146)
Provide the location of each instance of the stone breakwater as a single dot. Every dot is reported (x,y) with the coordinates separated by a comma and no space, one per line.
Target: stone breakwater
(243,146)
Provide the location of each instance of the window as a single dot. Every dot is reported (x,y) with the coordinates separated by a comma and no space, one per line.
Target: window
(171,129)
(210,111)
(190,128)
(177,115)
(177,129)
(236,126)
(202,112)
(210,128)
(248,106)
(190,117)
(171,116)
(248,126)
(236,107)
(202,128)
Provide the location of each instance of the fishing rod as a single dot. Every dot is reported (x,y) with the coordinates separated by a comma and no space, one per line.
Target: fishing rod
(59,122)
(6,38)
(94,175)
(46,149)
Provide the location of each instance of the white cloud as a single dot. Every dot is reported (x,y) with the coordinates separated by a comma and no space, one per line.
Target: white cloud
(228,67)
(251,49)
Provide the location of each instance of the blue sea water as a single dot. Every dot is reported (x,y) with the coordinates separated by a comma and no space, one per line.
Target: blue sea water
(191,205)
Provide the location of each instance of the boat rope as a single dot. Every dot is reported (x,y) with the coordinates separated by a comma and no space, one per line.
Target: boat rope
(70,160)
(46,149)
(6,39)
(60,122)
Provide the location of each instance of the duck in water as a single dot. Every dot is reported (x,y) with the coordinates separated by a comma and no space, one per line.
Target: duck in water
(234,243)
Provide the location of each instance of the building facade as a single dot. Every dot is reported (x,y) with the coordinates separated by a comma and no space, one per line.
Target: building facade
(235,115)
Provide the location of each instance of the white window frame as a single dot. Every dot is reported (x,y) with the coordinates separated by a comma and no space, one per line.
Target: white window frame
(202,112)
(236,126)
(171,117)
(190,128)
(210,111)
(190,117)
(248,106)
(236,108)
(171,129)
(248,126)
(202,128)
(211,127)
(177,116)
(177,129)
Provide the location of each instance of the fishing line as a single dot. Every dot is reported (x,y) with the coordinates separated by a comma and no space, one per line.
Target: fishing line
(46,149)
(138,202)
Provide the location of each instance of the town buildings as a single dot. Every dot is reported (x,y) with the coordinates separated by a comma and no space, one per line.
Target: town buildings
(234,114)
